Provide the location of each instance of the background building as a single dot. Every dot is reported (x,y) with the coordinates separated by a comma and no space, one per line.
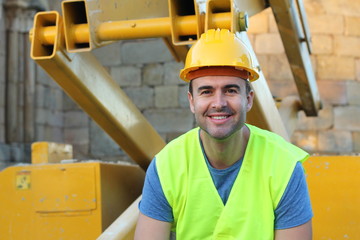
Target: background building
(34,108)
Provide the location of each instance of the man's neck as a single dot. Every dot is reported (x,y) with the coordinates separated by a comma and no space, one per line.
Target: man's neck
(224,153)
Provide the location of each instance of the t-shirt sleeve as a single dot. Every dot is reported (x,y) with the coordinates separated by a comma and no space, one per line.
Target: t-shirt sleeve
(294,208)
(153,203)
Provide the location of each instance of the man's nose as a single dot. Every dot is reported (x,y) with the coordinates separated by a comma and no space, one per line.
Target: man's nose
(219,101)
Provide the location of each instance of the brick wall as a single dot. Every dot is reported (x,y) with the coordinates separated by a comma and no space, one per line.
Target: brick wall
(148,74)
(4,150)
(335,58)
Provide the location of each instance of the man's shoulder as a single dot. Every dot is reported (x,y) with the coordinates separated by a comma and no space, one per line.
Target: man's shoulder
(274,141)
(190,135)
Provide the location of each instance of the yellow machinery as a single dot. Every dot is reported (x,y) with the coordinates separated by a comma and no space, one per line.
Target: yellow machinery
(64,201)
(79,200)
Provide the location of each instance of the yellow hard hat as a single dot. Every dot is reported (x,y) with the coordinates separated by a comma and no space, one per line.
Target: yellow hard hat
(219,48)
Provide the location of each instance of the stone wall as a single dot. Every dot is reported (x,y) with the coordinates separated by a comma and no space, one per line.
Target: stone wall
(336,40)
(336,62)
(3,150)
(147,72)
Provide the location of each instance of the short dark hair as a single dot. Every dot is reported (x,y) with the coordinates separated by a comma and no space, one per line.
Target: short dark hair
(247,82)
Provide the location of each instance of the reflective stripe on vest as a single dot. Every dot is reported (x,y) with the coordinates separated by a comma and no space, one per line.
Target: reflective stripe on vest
(198,210)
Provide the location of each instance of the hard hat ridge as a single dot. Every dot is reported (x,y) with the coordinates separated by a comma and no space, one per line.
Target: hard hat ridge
(219,48)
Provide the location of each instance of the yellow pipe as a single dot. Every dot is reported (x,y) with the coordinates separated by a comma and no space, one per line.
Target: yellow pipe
(222,20)
(135,29)
(81,33)
(48,34)
(132,29)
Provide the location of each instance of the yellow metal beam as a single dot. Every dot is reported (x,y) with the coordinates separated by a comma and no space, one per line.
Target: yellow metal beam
(123,228)
(86,81)
(264,113)
(291,22)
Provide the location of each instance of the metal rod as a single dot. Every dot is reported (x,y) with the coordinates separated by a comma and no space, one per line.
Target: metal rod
(135,29)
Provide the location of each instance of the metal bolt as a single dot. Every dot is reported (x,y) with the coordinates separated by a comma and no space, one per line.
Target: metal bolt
(243,21)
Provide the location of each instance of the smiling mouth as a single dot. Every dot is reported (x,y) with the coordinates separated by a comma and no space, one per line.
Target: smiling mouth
(219,117)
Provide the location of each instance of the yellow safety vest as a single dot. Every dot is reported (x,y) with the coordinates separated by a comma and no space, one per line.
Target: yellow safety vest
(198,210)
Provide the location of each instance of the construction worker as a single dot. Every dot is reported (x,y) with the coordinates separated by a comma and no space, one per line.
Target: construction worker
(226,179)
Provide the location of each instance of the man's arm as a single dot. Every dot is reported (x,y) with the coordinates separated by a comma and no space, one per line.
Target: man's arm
(151,229)
(302,232)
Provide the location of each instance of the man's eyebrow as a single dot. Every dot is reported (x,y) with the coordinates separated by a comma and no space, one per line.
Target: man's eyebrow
(205,87)
(232,86)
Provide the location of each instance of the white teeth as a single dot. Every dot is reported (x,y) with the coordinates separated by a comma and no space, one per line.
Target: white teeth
(218,117)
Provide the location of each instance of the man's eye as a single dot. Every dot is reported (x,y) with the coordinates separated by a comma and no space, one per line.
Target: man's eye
(205,92)
(231,90)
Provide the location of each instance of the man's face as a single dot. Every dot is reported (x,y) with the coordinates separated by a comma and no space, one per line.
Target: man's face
(220,104)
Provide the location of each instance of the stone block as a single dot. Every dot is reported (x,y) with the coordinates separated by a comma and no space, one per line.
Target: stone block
(2,132)
(126,76)
(313,7)
(109,55)
(322,44)
(75,119)
(42,115)
(335,68)
(53,134)
(279,68)
(2,66)
(58,97)
(57,119)
(268,43)
(347,118)
(347,46)
(353,90)
(352,26)
(2,115)
(351,8)
(142,97)
(101,144)
(5,154)
(333,92)
(40,95)
(39,132)
(81,151)
(2,94)
(153,74)
(145,51)
(335,142)
(42,77)
(170,120)
(306,140)
(273,28)
(323,121)
(258,23)
(356,142)
(171,73)
(282,88)
(183,96)
(20,153)
(77,135)
(326,24)
(69,104)
(357,69)
(166,96)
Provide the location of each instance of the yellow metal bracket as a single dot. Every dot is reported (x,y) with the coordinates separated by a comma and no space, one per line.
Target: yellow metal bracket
(184,27)
(86,81)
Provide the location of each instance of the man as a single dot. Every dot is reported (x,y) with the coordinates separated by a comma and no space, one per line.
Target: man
(225,179)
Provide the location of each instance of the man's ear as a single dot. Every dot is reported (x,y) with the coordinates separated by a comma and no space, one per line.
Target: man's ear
(250,100)
(191,102)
